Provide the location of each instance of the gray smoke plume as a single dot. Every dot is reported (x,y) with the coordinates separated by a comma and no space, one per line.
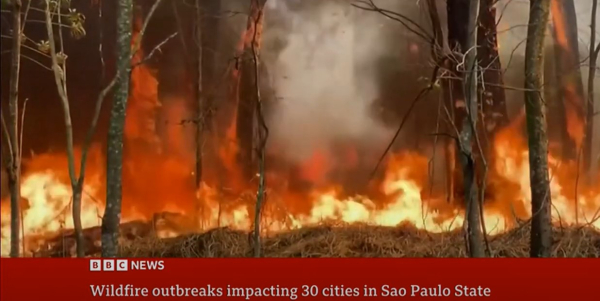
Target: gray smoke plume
(324,74)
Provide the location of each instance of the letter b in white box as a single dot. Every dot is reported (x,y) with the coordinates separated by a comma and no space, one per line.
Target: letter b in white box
(108,264)
(95,265)
(122,264)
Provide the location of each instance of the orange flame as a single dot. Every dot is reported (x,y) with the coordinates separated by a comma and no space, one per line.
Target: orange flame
(573,99)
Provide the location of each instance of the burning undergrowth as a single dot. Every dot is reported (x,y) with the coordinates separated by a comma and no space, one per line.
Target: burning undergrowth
(359,241)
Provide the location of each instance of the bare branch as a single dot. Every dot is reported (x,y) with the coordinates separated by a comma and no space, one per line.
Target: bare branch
(156,48)
(411,25)
(138,42)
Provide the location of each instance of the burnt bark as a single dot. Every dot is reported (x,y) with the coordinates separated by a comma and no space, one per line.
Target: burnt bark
(570,84)
(114,166)
(541,227)
(14,166)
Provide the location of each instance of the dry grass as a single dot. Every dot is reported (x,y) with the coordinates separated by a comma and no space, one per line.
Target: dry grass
(358,241)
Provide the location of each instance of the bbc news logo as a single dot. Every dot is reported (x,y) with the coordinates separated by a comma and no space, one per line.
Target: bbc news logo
(108,265)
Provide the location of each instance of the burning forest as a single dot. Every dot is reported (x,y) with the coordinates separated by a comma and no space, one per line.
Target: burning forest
(339,122)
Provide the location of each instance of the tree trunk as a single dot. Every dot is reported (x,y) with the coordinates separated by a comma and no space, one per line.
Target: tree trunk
(59,70)
(457,12)
(200,109)
(493,98)
(210,42)
(77,225)
(246,118)
(541,224)
(112,213)
(257,17)
(207,21)
(589,120)
(468,136)
(461,96)
(14,168)
(570,84)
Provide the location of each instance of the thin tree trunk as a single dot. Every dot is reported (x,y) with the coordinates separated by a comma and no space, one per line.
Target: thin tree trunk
(77,189)
(112,213)
(263,131)
(200,115)
(541,227)
(246,112)
(210,42)
(207,21)
(14,168)
(467,137)
(59,71)
(439,51)
(589,124)
(570,83)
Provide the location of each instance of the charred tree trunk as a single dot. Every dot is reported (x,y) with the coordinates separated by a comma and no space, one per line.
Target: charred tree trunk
(463,27)
(14,166)
(541,227)
(207,21)
(589,120)
(458,13)
(493,98)
(246,111)
(570,84)
(114,166)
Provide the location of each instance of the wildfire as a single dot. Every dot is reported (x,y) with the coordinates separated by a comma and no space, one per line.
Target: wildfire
(160,179)
(48,195)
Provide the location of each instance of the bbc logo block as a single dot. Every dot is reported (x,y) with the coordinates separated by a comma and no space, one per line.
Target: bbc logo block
(109,265)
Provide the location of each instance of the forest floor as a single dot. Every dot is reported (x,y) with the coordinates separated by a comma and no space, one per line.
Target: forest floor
(359,241)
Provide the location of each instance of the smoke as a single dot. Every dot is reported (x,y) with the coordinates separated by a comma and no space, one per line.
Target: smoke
(325,75)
